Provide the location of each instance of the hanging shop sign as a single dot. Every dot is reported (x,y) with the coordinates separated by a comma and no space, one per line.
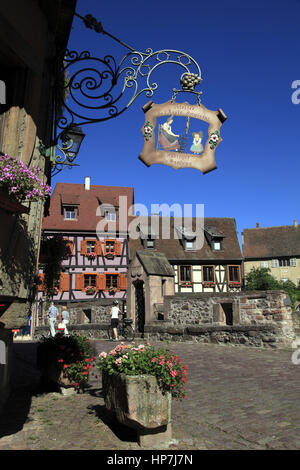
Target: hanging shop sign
(181,135)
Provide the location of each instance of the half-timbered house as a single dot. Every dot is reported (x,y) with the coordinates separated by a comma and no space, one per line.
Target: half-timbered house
(213,267)
(88,217)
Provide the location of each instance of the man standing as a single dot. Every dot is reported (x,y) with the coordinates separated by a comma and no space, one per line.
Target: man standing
(52,312)
(65,319)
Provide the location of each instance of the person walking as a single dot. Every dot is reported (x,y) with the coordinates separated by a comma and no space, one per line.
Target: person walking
(52,312)
(65,319)
(114,313)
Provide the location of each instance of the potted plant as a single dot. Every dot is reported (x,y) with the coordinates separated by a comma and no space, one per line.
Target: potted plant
(90,290)
(111,290)
(92,255)
(138,385)
(20,182)
(65,361)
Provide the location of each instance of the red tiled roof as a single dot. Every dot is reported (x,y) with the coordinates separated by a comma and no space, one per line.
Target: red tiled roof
(88,200)
(271,242)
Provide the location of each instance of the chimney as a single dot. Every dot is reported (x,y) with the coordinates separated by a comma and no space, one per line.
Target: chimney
(257,225)
(295,223)
(87,183)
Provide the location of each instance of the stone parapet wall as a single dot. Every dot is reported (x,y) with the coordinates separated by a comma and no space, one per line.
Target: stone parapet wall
(90,330)
(267,336)
(85,312)
(248,308)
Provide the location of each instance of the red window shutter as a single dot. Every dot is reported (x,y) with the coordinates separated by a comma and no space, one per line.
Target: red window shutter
(83,248)
(70,243)
(118,248)
(101,281)
(79,282)
(64,282)
(41,285)
(98,248)
(122,281)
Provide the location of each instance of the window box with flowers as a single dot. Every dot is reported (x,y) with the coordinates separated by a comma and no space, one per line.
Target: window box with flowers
(208,284)
(21,183)
(92,255)
(186,284)
(144,375)
(90,290)
(234,283)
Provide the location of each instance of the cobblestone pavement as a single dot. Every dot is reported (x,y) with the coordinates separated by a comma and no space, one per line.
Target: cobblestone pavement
(238,399)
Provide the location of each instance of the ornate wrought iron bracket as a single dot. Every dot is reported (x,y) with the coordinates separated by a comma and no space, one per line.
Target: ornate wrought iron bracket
(96,90)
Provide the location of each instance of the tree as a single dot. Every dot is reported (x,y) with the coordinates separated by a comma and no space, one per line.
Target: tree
(261,279)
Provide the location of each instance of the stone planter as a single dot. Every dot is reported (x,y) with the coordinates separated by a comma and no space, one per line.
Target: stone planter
(138,402)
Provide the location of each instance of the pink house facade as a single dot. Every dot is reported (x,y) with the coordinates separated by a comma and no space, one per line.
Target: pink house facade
(98,261)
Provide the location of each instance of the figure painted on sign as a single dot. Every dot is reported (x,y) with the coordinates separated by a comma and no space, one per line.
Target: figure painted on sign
(197,147)
(167,139)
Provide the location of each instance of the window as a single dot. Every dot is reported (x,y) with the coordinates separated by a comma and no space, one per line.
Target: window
(111,281)
(70,212)
(293,262)
(275,263)
(264,264)
(189,245)
(216,245)
(284,262)
(109,215)
(234,274)
(109,247)
(208,274)
(185,274)
(90,247)
(284,279)
(90,280)
(149,243)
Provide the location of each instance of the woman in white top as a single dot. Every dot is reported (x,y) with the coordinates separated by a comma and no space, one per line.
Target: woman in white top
(114,313)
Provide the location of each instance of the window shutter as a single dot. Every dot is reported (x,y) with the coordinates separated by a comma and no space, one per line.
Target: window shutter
(122,281)
(41,285)
(70,243)
(101,281)
(64,282)
(118,248)
(79,282)
(83,248)
(98,248)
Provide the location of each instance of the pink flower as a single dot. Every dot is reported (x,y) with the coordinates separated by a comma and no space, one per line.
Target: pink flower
(103,354)
(173,373)
(153,359)
(162,362)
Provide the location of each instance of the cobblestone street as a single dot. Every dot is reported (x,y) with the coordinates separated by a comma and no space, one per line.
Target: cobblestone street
(238,399)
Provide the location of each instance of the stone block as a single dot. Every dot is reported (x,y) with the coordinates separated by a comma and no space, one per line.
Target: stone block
(137,401)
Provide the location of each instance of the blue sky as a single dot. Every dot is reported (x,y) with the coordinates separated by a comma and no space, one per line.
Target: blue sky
(249,55)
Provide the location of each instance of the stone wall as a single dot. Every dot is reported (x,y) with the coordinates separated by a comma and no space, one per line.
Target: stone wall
(258,318)
(89,318)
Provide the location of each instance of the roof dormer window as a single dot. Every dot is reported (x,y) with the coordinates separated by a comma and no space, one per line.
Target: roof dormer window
(110,215)
(70,212)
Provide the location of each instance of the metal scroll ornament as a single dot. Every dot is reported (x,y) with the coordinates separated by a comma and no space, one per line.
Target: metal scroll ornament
(97,89)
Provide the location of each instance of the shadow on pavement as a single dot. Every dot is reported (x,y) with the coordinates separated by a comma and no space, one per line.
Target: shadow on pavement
(25,382)
(122,432)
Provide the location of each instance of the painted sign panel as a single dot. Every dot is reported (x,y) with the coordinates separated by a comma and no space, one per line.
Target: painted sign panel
(171,130)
